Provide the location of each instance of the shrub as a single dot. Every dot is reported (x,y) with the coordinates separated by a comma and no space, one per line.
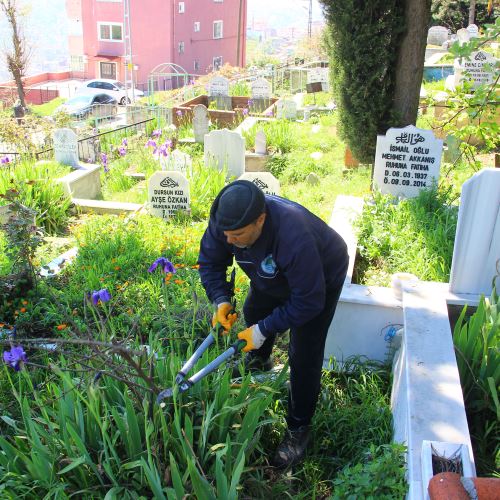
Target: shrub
(362,43)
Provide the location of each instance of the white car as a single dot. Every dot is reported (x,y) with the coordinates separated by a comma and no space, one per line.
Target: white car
(114,88)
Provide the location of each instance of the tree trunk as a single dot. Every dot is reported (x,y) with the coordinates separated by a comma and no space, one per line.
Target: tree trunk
(410,61)
(472,11)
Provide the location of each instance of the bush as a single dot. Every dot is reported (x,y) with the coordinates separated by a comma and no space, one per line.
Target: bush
(362,40)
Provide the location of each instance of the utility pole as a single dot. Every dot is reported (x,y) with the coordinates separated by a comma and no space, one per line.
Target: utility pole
(238,44)
(129,67)
(309,22)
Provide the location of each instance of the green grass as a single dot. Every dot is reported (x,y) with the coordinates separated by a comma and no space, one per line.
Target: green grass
(320,99)
(48,108)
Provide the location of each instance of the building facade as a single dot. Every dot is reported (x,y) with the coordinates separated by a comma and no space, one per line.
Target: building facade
(120,38)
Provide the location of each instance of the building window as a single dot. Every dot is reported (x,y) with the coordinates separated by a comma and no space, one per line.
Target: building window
(181,47)
(197,26)
(108,70)
(217,63)
(110,32)
(217,29)
(181,8)
(77,63)
(197,65)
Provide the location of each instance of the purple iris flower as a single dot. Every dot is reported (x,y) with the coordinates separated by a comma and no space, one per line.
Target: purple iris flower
(124,143)
(163,150)
(250,102)
(5,160)
(245,111)
(151,144)
(164,263)
(122,151)
(179,112)
(168,143)
(156,133)
(15,357)
(269,113)
(104,159)
(100,295)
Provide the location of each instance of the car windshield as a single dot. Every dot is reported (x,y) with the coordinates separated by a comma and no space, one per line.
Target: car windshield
(119,85)
(80,99)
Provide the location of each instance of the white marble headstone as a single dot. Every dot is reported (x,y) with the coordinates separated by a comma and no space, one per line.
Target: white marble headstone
(264,180)
(286,108)
(476,253)
(177,160)
(200,122)
(260,88)
(473,30)
(260,143)
(407,160)
(437,35)
(319,75)
(474,69)
(218,86)
(66,146)
(225,149)
(168,192)
(463,35)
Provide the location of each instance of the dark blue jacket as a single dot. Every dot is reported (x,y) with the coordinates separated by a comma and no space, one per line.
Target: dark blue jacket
(296,258)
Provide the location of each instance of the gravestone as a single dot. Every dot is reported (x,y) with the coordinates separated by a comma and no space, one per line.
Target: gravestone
(218,91)
(200,122)
(261,88)
(476,252)
(264,180)
(437,35)
(475,69)
(176,161)
(407,160)
(66,147)
(473,30)
(168,192)
(260,143)
(463,35)
(287,109)
(318,75)
(218,86)
(225,149)
(261,95)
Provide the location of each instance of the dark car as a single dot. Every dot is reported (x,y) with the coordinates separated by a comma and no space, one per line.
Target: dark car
(85,105)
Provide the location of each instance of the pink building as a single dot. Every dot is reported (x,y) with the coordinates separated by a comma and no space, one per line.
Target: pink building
(198,35)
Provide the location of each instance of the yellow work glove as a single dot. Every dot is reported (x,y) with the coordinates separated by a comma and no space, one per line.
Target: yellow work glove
(253,338)
(225,315)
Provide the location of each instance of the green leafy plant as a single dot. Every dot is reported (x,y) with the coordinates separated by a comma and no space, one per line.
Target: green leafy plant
(380,476)
(478,358)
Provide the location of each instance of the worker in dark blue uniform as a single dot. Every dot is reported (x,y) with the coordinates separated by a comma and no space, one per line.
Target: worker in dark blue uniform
(297,265)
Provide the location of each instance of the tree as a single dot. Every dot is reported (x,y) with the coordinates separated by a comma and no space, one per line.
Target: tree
(17,56)
(454,14)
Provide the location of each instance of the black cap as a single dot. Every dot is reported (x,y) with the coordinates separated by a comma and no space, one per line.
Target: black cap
(237,205)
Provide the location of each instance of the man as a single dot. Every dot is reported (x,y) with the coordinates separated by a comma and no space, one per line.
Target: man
(297,265)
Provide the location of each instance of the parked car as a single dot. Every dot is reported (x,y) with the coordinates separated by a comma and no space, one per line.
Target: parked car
(113,88)
(84,105)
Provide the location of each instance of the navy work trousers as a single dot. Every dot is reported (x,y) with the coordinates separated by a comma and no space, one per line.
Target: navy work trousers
(305,351)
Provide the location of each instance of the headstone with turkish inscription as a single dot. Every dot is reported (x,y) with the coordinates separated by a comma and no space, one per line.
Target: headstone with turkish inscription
(287,109)
(407,160)
(177,160)
(478,69)
(225,149)
(264,180)
(437,35)
(168,192)
(463,35)
(66,146)
(218,91)
(473,30)
(261,95)
(319,75)
(260,88)
(200,122)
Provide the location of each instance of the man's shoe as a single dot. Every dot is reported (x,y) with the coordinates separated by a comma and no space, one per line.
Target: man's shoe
(292,449)
(253,363)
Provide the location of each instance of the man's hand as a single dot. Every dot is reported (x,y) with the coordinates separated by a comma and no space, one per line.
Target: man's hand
(225,315)
(253,338)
